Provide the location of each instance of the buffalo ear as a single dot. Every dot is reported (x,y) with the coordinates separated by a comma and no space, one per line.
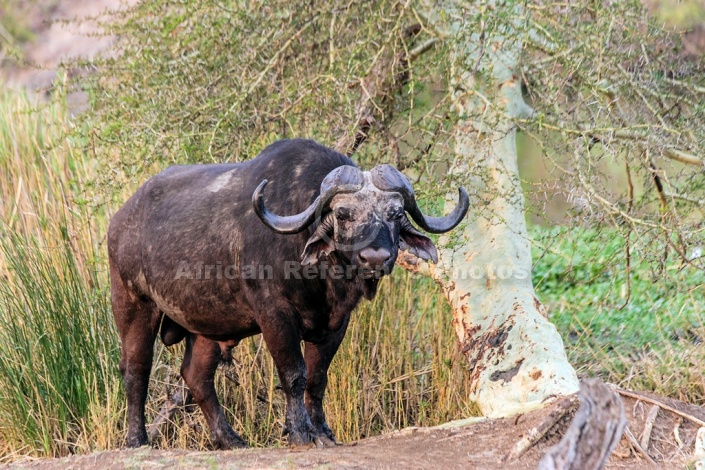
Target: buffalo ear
(417,243)
(316,249)
(319,245)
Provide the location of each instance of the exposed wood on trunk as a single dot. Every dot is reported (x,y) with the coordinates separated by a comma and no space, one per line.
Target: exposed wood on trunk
(566,406)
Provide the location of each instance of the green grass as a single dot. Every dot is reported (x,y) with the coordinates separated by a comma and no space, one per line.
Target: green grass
(647,334)
(585,277)
(58,348)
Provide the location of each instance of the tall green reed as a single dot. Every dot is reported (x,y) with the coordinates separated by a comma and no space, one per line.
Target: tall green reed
(58,348)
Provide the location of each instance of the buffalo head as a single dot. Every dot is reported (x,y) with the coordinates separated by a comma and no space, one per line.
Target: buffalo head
(362,216)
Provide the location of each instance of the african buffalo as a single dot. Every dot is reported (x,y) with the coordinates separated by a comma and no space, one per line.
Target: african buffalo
(181,246)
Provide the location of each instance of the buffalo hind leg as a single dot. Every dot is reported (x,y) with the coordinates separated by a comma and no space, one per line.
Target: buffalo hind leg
(318,357)
(137,321)
(198,370)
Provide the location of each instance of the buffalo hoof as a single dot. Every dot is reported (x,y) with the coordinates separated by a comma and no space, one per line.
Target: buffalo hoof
(309,440)
(302,440)
(228,439)
(324,441)
(325,437)
(138,440)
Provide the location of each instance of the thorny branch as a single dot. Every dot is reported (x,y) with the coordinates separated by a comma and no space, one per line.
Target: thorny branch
(386,78)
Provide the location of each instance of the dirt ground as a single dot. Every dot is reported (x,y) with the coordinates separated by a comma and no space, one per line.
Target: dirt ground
(457,445)
(62,29)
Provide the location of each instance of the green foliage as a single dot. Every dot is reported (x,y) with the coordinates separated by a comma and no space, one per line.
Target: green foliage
(218,81)
(637,326)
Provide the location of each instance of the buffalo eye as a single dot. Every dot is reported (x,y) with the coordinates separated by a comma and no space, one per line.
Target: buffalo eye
(395,213)
(343,213)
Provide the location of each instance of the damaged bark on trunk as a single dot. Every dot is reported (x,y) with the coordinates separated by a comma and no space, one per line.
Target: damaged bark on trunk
(516,355)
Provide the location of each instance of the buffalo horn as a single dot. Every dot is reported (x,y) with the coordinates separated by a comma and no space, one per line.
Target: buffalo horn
(344,179)
(388,178)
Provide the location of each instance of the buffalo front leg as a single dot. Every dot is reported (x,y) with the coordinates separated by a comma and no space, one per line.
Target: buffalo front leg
(198,370)
(137,321)
(318,357)
(284,343)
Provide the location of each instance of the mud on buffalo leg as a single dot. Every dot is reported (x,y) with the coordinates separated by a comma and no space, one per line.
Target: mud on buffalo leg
(318,358)
(137,321)
(283,340)
(198,370)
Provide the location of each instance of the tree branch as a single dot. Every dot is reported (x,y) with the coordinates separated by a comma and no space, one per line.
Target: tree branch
(387,77)
(600,134)
(683,157)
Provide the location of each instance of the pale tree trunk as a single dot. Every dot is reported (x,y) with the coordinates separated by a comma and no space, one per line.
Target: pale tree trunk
(516,356)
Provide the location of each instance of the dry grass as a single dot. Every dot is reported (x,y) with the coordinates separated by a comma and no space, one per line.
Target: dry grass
(60,391)
(399,366)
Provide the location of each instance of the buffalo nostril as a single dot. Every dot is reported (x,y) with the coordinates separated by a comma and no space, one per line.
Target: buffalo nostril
(374,257)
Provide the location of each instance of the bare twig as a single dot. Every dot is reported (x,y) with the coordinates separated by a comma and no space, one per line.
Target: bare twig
(648,427)
(273,62)
(386,78)
(662,405)
(632,440)
(476,67)
(419,50)
(231,377)
(683,157)
(683,197)
(627,239)
(676,433)
(600,134)
(173,403)
(695,88)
